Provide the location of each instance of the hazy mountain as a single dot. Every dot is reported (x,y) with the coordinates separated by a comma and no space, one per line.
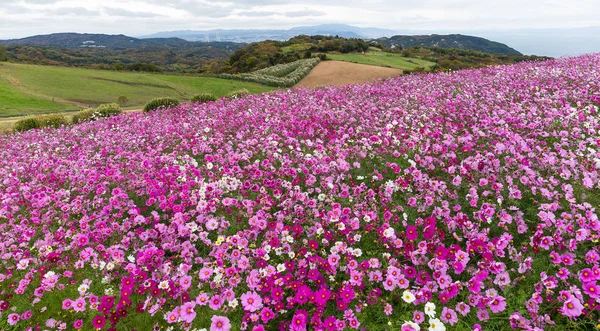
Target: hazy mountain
(253,35)
(85,40)
(449,41)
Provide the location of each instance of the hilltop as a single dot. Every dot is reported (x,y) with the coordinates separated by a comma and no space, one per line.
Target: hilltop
(120,41)
(449,41)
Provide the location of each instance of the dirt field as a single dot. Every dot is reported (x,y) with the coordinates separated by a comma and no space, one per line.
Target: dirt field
(342,73)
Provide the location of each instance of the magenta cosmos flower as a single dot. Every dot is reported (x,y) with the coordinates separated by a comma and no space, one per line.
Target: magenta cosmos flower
(98,322)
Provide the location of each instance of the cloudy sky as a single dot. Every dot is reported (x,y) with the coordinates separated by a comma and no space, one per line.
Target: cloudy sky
(20,18)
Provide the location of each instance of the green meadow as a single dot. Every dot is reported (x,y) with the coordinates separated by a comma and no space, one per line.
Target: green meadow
(29,89)
(383,59)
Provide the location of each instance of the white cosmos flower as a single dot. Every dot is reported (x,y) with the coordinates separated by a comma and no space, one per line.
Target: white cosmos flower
(430,309)
(436,325)
(388,233)
(408,297)
(413,325)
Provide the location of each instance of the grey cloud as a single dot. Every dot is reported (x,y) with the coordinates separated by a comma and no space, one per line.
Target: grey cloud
(299,13)
(127,13)
(73,11)
(303,13)
(256,13)
(40,2)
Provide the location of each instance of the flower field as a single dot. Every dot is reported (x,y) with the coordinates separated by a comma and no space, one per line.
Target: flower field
(455,201)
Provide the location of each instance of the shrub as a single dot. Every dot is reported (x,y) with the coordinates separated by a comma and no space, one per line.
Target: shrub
(238,93)
(26,124)
(122,101)
(161,103)
(281,75)
(91,114)
(203,97)
(52,121)
(84,115)
(108,109)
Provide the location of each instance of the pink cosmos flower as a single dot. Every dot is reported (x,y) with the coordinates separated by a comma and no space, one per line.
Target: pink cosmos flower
(418,317)
(79,305)
(67,304)
(251,301)
(572,307)
(215,302)
(463,308)
(220,323)
(591,289)
(497,304)
(449,316)
(13,319)
(187,312)
(172,317)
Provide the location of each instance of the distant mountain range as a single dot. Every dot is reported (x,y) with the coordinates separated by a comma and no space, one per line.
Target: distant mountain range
(550,42)
(254,35)
(85,40)
(449,41)
(230,39)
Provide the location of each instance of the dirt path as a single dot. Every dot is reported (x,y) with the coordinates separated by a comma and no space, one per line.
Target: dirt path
(342,73)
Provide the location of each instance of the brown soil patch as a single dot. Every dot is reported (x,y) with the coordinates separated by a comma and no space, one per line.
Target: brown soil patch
(342,73)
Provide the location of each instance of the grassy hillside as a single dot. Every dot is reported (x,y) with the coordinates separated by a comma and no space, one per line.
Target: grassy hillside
(87,87)
(382,59)
(15,103)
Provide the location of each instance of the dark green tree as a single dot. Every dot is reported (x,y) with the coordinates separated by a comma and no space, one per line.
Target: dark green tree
(3,54)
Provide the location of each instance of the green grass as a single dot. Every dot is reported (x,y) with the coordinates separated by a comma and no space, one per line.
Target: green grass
(382,59)
(15,103)
(87,87)
(296,48)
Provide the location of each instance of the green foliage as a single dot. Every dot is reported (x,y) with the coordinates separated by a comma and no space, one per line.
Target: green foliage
(109,109)
(118,66)
(3,55)
(145,67)
(26,124)
(238,93)
(282,75)
(122,101)
(180,57)
(84,115)
(161,103)
(52,121)
(91,114)
(42,121)
(204,97)
(269,53)
(457,59)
